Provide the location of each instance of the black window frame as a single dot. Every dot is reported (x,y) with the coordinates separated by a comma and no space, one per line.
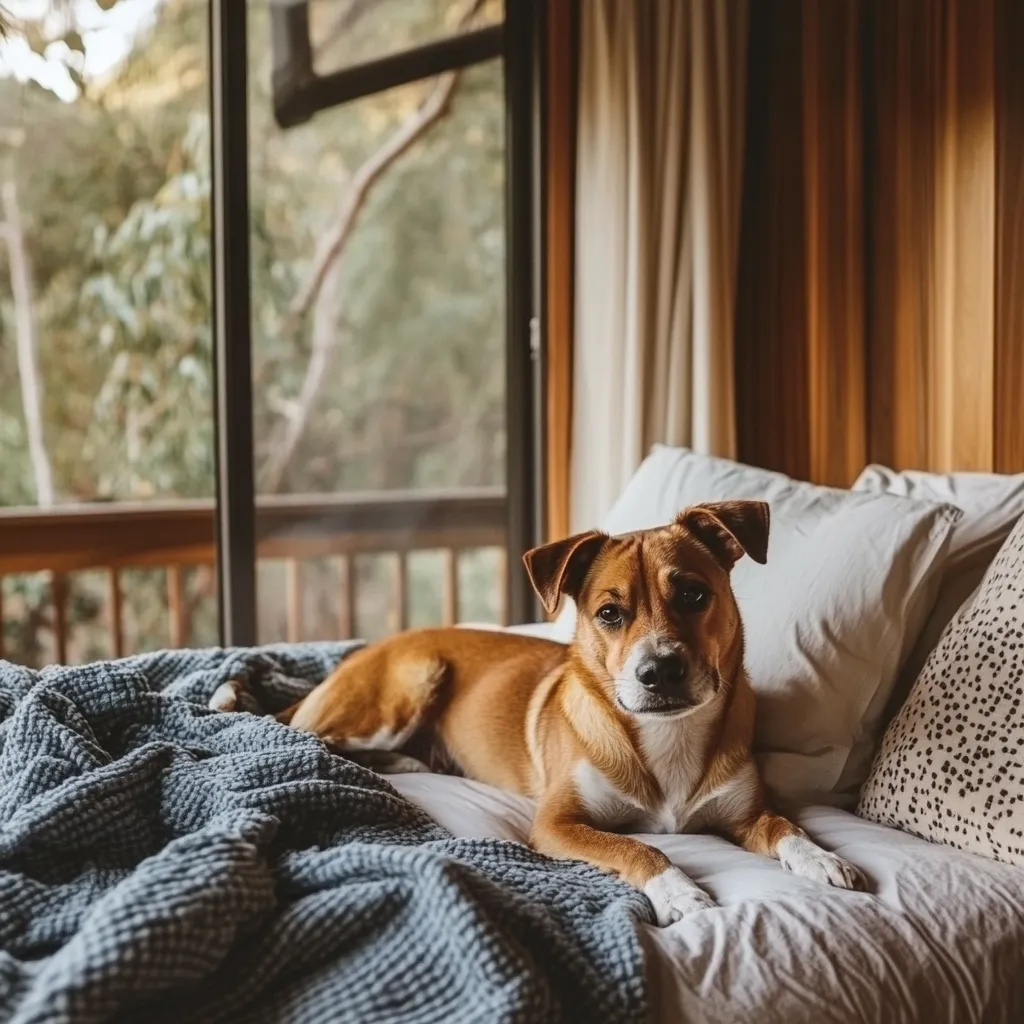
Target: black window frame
(298,94)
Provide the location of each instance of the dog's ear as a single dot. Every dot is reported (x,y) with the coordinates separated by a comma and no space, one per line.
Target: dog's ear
(730,528)
(561,567)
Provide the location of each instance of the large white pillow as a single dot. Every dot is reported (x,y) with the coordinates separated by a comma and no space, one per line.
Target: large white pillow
(991,504)
(849,581)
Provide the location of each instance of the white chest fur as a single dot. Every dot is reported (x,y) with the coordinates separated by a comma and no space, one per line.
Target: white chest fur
(675,751)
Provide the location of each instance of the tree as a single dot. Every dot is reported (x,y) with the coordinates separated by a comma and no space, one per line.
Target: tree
(410,303)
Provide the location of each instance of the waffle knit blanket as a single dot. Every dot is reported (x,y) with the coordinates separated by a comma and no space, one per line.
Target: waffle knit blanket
(160,862)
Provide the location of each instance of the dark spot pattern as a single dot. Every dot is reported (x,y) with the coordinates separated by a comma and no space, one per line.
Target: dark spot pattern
(951,765)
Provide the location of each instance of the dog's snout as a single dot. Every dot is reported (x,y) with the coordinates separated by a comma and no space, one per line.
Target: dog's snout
(661,671)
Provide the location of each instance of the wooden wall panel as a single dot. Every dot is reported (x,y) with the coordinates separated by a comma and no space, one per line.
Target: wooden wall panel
(772,407)
(1009,301)
(834,218)
(961,420)
(904,239)
(899,175)
(559,230)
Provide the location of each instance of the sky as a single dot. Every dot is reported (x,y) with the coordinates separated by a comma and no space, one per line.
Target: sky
(107,36)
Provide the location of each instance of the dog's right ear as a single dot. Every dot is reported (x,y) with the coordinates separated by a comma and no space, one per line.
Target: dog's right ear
(561,567)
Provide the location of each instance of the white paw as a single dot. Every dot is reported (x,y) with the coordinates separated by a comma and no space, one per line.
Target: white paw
(805,858)
(225,697)
(674,895)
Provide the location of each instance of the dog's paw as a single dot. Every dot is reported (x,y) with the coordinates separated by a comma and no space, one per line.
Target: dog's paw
(805,858)
(226,697)
(673,896)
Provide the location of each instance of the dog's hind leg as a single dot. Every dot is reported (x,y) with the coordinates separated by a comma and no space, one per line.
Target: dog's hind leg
(377,699)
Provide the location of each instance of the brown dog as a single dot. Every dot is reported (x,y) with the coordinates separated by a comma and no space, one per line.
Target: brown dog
(644,722)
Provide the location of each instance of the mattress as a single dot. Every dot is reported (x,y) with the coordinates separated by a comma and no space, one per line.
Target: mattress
(940,936)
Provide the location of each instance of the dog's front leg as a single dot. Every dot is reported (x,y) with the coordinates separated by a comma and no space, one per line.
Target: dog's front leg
(774,836)
(563,829)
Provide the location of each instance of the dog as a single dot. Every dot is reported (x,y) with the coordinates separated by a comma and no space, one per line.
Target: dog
(643,723)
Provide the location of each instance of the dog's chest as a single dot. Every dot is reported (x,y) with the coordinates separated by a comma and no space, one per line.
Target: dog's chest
(675,756)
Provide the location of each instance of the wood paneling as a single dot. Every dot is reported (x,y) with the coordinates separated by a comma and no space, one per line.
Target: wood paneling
(908,138)
(772,407)
(899,171)
(961,421)
(834,214)
(559,232)
(1009,355)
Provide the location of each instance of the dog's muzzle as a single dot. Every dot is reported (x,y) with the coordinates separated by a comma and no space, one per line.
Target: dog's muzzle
(659,679)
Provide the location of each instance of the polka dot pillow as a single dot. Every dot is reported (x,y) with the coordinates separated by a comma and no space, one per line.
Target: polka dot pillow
(951,765)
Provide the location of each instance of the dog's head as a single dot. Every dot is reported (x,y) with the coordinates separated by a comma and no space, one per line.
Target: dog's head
(657,622)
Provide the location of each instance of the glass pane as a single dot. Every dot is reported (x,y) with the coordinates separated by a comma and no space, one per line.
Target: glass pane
(379,355)
(347,32)
(105,361)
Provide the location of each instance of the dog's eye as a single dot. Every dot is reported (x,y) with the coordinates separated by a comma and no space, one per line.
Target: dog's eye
(692,597)
(610,615)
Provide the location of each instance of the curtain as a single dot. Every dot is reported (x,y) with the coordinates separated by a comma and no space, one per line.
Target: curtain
(658,193)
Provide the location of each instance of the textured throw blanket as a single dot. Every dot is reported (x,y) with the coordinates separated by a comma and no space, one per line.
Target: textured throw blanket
(160,862)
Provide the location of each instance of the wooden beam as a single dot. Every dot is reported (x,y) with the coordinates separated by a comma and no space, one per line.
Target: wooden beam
(771,373)
(833,196)
(560,229)
(1009,313)
(963,365)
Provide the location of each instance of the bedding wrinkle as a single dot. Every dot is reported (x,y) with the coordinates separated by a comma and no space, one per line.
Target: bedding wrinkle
(939,938)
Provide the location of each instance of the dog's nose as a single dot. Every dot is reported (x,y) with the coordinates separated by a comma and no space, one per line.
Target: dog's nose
(662,671)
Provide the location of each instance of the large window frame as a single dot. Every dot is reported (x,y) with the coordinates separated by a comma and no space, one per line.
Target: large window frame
(299,93)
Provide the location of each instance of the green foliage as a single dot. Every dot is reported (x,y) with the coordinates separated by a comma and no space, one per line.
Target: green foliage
(115,190)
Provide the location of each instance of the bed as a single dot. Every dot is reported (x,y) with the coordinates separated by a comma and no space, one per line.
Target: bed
(162,861)
(939,938)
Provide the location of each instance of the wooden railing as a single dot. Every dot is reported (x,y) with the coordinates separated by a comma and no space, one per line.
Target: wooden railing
(180,534)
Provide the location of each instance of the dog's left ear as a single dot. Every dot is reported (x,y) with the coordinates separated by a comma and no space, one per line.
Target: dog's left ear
(561,567)
(730,529)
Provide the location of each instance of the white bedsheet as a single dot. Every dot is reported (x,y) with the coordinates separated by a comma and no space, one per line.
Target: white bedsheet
(940,937)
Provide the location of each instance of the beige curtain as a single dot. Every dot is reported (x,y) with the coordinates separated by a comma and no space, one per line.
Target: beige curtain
(658,187)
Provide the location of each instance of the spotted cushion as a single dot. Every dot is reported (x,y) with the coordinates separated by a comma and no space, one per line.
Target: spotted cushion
(951,764)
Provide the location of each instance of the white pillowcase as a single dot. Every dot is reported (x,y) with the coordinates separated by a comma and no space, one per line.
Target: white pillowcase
(849,581)
(991,504)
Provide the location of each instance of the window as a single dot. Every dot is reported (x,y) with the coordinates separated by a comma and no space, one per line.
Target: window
(379,364)
(368,359)
(106,412)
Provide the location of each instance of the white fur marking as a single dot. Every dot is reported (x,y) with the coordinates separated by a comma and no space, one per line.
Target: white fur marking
(674,895)
(604,801)
(676,753)
(804,857)
(225,697)
(382,739)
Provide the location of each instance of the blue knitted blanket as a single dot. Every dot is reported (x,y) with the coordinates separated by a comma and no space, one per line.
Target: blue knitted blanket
(160,862)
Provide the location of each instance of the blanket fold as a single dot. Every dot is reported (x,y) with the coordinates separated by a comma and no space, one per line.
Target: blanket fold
(161,862)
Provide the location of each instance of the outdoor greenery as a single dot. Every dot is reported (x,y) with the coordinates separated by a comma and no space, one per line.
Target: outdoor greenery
(377,297)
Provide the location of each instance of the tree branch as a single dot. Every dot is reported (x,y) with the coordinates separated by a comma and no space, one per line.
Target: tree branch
(345,20)
(285,438)
(311,295)
(363,180)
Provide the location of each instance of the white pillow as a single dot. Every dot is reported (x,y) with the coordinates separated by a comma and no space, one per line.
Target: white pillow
(849,580)
(991,504)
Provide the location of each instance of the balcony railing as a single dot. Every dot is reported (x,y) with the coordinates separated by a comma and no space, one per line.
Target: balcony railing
(178,535)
